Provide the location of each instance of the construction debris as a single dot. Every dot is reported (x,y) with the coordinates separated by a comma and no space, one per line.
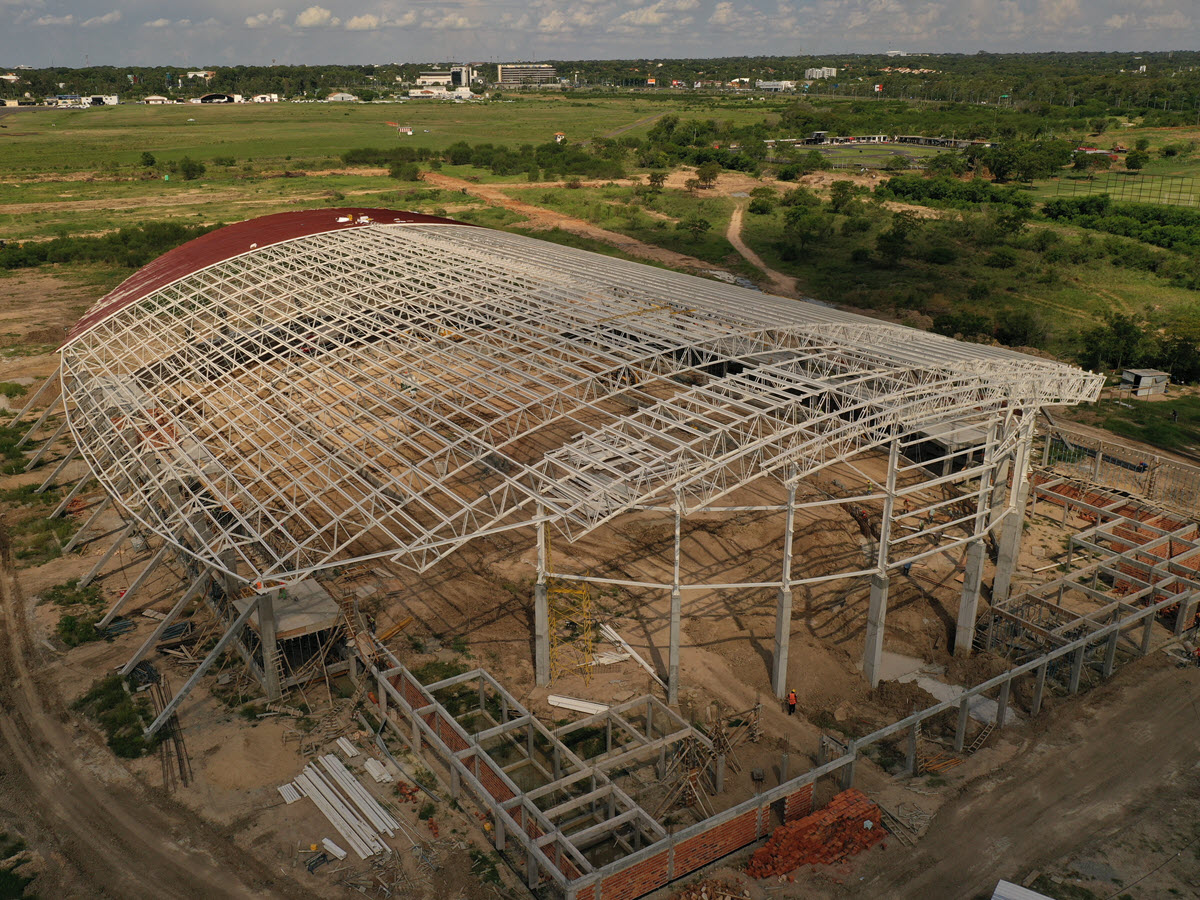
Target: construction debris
(711,889)
(584,706)
(289,793)
(347,748)
(354,813)
(850,824)
(376,770)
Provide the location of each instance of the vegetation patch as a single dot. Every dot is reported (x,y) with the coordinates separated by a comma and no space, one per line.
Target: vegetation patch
(121,715)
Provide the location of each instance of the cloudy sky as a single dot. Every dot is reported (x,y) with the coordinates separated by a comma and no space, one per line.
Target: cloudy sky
(221,32)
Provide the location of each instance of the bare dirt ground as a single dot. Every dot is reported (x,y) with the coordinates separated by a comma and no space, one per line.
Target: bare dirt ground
(1105,782)
(777,282)
(541,218)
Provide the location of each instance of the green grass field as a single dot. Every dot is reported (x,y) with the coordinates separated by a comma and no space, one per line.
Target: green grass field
(295,135)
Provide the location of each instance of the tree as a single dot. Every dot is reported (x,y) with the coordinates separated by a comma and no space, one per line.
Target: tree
(1099,125)
(760,206)
(707,174)
(1142,143)
(191,169)
(403,171)
(892,244)
(695,225)
(802,226)
(841,193)
(148,159)
(1135,160)
(657,180)
(1090,162)
(692,184)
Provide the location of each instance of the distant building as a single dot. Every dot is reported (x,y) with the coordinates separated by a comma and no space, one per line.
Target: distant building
(775,85)
(156,100)
(265,98)
(439,92)
(221,98)
(462,75)
(819,72)
(897,53)
(103,100)
(11,77)
(434,77)
(206,75)
(342,97)
(515,74)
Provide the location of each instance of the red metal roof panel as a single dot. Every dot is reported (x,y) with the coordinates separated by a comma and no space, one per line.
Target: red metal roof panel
(234,240)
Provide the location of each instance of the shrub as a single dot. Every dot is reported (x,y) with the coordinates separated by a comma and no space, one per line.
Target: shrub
(191,169)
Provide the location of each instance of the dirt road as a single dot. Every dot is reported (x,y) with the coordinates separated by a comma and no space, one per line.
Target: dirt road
(100,834)
(539,217)
(778,283)
(1128,745)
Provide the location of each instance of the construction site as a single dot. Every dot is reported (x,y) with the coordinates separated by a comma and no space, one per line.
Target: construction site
(463,564)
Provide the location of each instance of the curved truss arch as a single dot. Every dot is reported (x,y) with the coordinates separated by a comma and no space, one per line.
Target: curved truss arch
(342,385)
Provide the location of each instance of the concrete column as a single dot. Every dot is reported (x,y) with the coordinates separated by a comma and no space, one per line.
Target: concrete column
(455,783)
(968,602)
(911,760)
(1187,612)
(498,830)
(1039,688)
(381,693)
(541,634)
(783,635)
(1147,634)
(1077,669)
(876,614)
(960,733)
(1006,556)
(676,614)
(270,648)
(673,652)
(719,772)
(1110,653)
(541,611)
(1002,704)
(848,770)
(783,610)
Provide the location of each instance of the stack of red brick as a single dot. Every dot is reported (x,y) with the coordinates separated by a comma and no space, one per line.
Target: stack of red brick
(829,836)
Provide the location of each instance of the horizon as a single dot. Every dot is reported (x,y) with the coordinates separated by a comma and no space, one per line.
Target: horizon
(56,33)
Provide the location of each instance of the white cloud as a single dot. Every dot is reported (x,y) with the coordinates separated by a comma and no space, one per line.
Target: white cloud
(723,15)
(157,23)
(55,20)
(449,22)
(1117,22)
(1173,21)
(184,23)
(262,20)
(316,17)
(365,22)
(109,18)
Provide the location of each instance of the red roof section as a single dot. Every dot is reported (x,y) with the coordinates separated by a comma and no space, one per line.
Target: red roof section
(234,240)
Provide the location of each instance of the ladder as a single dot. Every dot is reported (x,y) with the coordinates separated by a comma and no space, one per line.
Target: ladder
(982,737)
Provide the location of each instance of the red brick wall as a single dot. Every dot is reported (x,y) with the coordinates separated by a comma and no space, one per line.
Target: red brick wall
(492,783)
(716,842)
(642,878)
(587,893)
(797,805)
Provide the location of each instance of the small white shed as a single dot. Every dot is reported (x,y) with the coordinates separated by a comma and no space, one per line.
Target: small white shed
(1145,382)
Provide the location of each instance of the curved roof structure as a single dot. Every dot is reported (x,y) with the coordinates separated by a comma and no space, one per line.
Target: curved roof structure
(310,388)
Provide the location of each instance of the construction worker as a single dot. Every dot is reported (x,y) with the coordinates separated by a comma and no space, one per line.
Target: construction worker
(791,701)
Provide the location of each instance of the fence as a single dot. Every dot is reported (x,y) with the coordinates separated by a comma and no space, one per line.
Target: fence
(1165,190)
(1167,482)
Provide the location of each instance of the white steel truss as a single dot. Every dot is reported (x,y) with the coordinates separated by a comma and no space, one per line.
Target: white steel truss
(392,391)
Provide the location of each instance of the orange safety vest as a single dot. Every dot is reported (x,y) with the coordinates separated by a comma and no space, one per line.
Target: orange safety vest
(792,697)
